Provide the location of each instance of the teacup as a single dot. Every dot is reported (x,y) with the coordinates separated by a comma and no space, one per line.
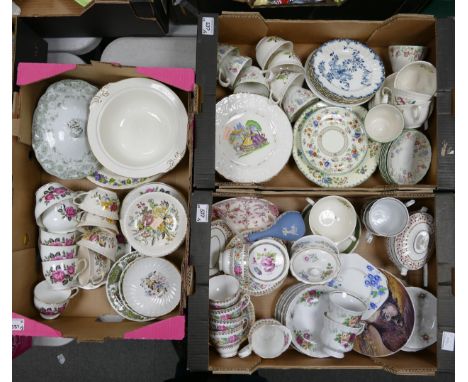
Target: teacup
(62,217)
(88,220)
(333,217)
(100,241)
(226,337)
(268,339)
(405,97)
(63,274)
(57,239)
(338,338)
(50,302)
(224,291)
(48,195)
(225,51)
(97,269)
(314,241)
(419,77)
(400,55)
(281,82)
(231,68)
(345,308)
(231,312)
(220,325)
(386,217)
(268,46)
(415,115)
(384,123)
(100,202)
(296,100)
(53,253)
(232,346)
(285,61)
(234,260)
(251,80)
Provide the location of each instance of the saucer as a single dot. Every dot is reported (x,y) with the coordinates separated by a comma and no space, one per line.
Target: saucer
(268,260)
(314,266)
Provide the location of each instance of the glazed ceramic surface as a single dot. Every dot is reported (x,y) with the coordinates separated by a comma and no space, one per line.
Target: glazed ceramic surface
(314,241)
(57,239)
(89,220)
(108,179)
(386,216)
(400,55)
(137,127)
(296,100)
(220,236)
(289,227)
(100,202)
(418,77)
(337,338)
(59,130)
(268,260)
(151,286)
(252,80)
(357,176)
(97,269)
(246,213)
(268,46)
(281,82)
(112,288)
(285,61)
(50,253)
(390,326)
(425,321)
(346,69)
(155,224)
(63,274)
(231,68)
(50,302)
(409,158)
(101,241)
(232,312)
(224,51)
(346,309)
(384,123)
(333,140)
(224,291)
(360,278)
(48,195)
(253,138)
(61,217)
(314,266)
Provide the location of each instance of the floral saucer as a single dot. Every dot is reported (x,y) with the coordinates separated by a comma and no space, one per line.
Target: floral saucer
(155,224)
(107,179)
(425,322)
(314,266)
(112,288)
(253,138)
(150,286)
(360,278)
(268,260)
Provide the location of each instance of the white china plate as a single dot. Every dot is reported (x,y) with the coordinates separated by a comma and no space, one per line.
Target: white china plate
(352,179)
(137,127)
(112,288)
(151,287)
(253,138)
(347,69)
(59,130)
(107,179)
(360,278)
(155,224)
(425,320)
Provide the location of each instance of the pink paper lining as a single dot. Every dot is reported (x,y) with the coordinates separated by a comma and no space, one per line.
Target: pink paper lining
(181,78)
(34,329)
(171,329)
(30,72)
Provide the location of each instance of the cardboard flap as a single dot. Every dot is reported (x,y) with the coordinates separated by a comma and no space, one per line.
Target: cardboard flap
(27,327)
(421,363)
(170,329)
(30,72)
(249,27)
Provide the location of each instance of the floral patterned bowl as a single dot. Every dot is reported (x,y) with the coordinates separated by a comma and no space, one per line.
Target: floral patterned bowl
(63,274)
(48,195)
(101,241)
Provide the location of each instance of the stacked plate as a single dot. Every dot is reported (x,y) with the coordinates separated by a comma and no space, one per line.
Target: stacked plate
(406,160)
(331,147)
(344,72)
(141,288)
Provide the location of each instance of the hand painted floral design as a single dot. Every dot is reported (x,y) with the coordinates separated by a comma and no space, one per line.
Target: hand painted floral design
(52,311)
(55,193)
(154,222)
(111,181)
(310,297)
(415,53)
(264,262)
(103,239)
(106,202)
(303,338)
(59,242)
(60,255)
(155,284)
(246,138)
(222,341)
(352,321)
(345,339)
(374,281)
(59,274)
(67,212)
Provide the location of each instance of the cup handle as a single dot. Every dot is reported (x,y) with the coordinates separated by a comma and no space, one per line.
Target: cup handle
(86,264)
(245,351)
(269,75)
(310,201)
(369,238)
(272,99)
(409,203)
(424,209)
(77,199)
(403,271)
(245,300)
(387,94)
(222,81)
(74,292)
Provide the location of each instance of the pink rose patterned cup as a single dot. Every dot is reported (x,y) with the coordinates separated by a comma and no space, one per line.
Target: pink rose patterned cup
(57,239)
(100,241)
(54,253)
(48,195)
(400,55)
(219,325)
(61,217)
(50,302)
(100,202)
(232,312)
(63,274)
(224,338)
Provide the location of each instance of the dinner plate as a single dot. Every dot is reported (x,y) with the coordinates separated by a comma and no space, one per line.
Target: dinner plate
(59,130)
(151,287)
(253,138)
(107,179)
(333,140)
(155,224)
(346,69)
(137,127)
(389,327)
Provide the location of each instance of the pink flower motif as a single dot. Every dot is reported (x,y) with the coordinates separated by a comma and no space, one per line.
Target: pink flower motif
(232,339)
(69,242)
(70,212)
(94,237)
(268,264)
(238,270)
(148,219)
(60,191)
(57,276)
(49,197)
(113,207)
(69,255)
(70,269)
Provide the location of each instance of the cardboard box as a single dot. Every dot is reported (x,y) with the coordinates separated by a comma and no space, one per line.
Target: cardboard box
(244,30)
(425,362)
(81,318)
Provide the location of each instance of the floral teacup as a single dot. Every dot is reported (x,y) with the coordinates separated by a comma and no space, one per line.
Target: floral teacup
(345,308)
(232,312)
(226,337)
(296,100)
(100,202)
(219,325)
(63,274)
(61,217)
(89,220)
(285,60)
(97,269)
(48,195)
(251,80)
(268,46)
(281,82)
(50,302)
(400,55)
(57,239)
(225,51)
(224,291)
(100,241)
(53,253)
(231,69)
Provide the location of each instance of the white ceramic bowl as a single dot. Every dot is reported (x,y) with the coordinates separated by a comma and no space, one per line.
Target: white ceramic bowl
(137,127)
(387,217)
(384,123)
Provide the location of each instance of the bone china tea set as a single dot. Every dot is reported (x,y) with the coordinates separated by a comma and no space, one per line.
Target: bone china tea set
(89,239)
(348,121)
(339,301)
